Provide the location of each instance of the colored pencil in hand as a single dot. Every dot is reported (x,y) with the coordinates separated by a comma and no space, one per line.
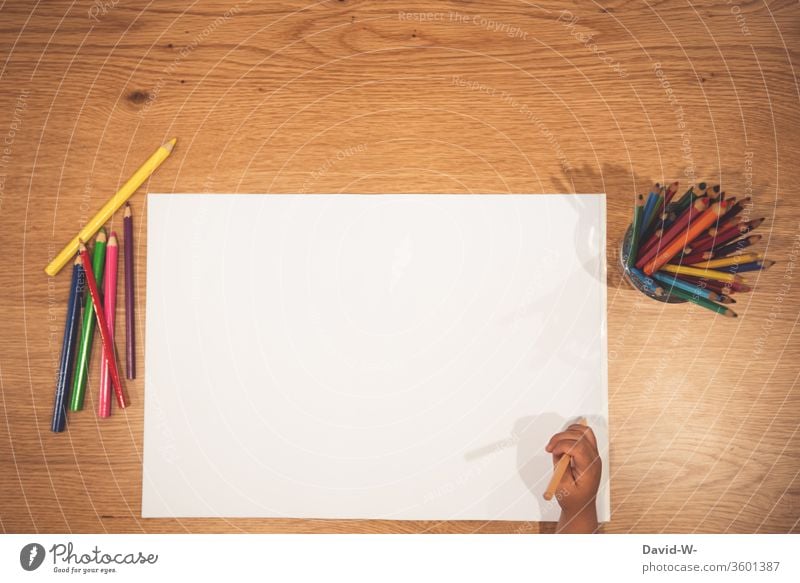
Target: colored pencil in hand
(559,471)
(87,331)
(102,327)
(59,421)
(110,307)
(130,302)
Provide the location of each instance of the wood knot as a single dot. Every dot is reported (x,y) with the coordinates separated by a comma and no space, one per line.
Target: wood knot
(138,97)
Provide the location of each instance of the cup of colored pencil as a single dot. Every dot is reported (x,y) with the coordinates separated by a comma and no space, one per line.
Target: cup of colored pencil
(692,247)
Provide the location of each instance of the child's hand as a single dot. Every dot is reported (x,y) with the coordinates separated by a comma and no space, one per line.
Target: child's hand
(578,488)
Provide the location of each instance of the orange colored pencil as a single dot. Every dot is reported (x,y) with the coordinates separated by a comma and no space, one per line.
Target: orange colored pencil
(654,245)
(678,243)
(559,471)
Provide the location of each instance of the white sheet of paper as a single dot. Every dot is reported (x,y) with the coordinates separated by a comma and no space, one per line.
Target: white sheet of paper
(370,356)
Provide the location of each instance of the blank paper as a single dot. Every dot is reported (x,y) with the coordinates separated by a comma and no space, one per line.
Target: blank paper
(369,356)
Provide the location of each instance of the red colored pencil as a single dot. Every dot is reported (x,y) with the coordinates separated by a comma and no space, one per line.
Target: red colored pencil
(717,286)
(673,188)
(689,258)
(709,241)
(727,219)
(102,326)
(110,310)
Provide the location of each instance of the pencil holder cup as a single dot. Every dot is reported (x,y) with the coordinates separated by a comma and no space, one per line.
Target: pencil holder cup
(631,278)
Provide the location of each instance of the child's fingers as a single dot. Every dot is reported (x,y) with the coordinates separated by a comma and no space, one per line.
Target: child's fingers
(587,432)
(564,446)
(568,434)
(582,453)
(583,457)
(575,432)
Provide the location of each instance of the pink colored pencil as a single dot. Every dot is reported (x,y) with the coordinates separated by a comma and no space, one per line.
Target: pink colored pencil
(110,308)
(102,325)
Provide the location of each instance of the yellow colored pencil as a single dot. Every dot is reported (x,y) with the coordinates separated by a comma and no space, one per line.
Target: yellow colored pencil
(726,261)
(701,272)
(67,254)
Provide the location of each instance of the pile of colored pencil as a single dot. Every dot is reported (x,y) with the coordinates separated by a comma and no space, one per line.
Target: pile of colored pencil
(99,310)
(692,247)
(90,271)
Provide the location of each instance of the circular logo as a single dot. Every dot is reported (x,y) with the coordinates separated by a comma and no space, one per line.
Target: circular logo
(31,556)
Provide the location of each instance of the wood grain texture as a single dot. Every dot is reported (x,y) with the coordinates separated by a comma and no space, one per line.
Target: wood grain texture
(383,96)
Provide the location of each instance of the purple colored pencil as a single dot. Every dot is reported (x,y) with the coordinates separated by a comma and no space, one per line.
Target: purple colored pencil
(130,326)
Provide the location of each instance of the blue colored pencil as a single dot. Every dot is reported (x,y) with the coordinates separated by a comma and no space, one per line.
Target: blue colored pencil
(734,247)
(674,282)
(649,205)
(68,346)
(752,266)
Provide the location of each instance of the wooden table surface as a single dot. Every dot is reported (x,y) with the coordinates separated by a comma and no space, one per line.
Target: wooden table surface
(440,97)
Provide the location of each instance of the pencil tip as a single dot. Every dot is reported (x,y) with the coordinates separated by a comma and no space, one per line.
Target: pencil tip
(112,239)
(127,210)
(170,145)
(101,236)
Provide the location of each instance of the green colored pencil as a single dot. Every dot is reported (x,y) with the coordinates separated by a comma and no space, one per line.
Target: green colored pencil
(636,230)
(87,330)
(708,304)
(685,202)
(676,200)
